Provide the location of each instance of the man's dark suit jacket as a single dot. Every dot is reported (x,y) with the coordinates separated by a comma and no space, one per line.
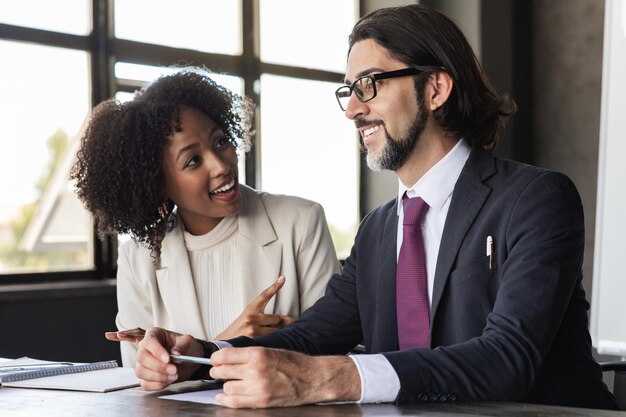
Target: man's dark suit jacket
(516,332)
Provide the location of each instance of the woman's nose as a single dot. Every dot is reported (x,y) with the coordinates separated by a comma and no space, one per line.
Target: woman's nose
(216,164)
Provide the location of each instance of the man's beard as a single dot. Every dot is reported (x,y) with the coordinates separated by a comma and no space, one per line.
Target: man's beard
(395,152)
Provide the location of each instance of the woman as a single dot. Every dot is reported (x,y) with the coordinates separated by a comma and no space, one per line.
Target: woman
(163,168)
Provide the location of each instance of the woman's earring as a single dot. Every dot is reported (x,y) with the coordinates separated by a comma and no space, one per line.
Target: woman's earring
(164,210)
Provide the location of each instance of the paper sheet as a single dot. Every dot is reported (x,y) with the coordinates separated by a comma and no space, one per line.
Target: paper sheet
(101,380)
(202,397)
(208,397)
(95,380)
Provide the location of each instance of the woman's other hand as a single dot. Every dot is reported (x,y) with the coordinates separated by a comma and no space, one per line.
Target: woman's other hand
(253,321)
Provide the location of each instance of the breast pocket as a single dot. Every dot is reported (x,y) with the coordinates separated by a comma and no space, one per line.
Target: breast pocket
(472,288)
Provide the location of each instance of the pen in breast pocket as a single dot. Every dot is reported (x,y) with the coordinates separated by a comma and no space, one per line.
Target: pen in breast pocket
(490,251)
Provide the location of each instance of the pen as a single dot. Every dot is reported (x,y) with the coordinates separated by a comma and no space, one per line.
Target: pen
(490,251)
(194,359)
(32,366)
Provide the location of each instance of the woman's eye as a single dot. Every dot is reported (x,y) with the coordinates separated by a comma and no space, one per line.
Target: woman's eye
(221,142)
(192,162)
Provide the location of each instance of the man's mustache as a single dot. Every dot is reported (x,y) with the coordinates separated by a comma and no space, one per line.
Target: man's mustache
(362,122)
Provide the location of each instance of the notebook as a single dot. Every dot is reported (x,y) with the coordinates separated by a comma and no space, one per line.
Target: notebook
(95,377)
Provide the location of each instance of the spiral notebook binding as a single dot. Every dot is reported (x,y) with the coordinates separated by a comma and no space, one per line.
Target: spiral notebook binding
(73,369)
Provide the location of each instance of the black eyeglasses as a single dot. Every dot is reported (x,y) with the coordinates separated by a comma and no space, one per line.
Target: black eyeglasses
(365,87)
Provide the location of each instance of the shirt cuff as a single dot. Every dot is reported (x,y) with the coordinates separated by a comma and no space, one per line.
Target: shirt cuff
(221,344)
(203,371)
(209,347)
(379,381)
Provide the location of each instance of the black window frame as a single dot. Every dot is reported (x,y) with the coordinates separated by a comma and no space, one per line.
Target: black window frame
(105,50)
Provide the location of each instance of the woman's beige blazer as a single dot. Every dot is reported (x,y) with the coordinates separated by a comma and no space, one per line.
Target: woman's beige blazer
(278,234)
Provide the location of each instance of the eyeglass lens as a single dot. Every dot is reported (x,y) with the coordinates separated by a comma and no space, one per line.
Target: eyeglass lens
(364,88)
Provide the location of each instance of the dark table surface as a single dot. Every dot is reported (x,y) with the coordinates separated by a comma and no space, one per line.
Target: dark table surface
(137,403)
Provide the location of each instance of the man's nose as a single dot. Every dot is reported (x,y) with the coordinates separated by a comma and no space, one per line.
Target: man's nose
(355,108)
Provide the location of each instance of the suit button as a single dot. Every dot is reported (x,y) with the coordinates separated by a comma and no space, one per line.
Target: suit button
(442,397)
(432,396)
(423,397)
(451,397)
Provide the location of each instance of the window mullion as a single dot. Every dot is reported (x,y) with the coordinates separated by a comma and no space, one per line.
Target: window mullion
(251,75)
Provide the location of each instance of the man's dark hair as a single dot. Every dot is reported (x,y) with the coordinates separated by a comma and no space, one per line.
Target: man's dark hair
(420,35)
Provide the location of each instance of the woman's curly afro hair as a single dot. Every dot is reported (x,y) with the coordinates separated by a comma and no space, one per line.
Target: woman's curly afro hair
(119,168)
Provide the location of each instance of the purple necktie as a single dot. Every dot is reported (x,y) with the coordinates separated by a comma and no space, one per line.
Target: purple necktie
(412,304)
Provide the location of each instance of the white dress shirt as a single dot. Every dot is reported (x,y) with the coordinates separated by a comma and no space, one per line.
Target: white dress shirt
(379,381)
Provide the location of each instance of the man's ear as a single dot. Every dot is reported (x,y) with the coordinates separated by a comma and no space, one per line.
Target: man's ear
(438,89)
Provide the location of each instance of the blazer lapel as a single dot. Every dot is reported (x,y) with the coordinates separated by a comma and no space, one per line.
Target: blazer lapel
(387,329)
(259,251)
(176,285)
(468,197)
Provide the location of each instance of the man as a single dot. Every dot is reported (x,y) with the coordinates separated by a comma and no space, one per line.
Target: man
(493,256)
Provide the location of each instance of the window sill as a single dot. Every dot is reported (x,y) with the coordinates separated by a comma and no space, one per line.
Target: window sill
(56,290)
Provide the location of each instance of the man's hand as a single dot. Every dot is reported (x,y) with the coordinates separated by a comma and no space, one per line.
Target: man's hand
(253,321)
(154,367)
(260,377)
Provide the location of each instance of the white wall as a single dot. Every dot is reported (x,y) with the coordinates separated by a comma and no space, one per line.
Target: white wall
(609,272)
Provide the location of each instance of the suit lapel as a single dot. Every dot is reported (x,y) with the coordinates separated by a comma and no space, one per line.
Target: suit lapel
(468,197)
(259,250)
(387,330)
(176,284)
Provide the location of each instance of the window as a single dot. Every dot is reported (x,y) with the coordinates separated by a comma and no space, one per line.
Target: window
(56,66)
(307,151)
(207,26)
(45,97)
(318,33)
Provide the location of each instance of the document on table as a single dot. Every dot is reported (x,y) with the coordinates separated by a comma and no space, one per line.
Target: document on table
(208,397)
(202,397)
(96,377)
(25,366)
